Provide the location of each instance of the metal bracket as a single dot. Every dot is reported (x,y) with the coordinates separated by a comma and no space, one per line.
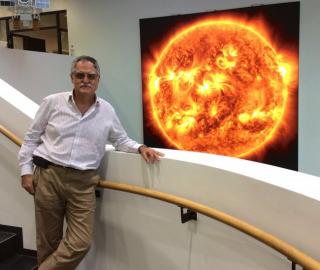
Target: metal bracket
(188,215)
(97,193)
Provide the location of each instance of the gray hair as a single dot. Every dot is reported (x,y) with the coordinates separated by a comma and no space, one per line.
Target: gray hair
(85,58)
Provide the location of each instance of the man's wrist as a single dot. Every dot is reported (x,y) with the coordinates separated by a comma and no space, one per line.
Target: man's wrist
(140,147)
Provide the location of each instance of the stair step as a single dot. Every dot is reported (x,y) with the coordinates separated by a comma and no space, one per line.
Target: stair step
(8,244)
(6,236)
(12,254)
(19,262)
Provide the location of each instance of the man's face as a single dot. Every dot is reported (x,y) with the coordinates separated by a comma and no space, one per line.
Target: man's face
(85,79)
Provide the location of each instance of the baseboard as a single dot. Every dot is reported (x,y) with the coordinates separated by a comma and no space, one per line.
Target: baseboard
(29,252)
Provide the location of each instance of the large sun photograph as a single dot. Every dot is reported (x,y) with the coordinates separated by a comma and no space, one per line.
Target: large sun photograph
(224,82)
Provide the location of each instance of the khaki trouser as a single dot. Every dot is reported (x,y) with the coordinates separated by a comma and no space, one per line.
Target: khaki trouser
(70,194)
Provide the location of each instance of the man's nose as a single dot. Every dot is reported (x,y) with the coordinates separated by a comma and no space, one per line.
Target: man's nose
(85,78)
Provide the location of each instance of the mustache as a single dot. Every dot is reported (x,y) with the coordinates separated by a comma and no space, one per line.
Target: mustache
(86,85)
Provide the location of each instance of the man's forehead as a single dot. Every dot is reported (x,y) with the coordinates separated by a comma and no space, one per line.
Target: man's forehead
(85,64)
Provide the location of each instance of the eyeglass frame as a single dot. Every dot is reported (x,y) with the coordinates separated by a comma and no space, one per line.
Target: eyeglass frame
(81,75)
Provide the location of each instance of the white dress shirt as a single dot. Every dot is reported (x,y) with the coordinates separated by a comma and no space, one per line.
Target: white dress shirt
(62,135)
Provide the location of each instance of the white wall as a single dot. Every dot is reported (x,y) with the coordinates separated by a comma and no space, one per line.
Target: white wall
(133,232)
(20,68)
(309,94)
(112,35)
(109,30)
(16,205)
(35,74)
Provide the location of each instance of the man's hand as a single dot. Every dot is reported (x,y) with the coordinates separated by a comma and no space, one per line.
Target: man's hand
(27,183)
(150,155)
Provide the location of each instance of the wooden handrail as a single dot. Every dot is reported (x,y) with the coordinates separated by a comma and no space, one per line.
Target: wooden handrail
(286,249)
(292,253)
(10,135)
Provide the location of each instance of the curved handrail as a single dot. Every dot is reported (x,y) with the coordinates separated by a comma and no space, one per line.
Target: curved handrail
(10,135)
(284,248)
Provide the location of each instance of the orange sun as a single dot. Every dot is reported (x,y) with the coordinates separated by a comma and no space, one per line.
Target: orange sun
(219,86)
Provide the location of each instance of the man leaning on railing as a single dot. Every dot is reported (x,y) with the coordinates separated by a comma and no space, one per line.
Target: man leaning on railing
(66,142)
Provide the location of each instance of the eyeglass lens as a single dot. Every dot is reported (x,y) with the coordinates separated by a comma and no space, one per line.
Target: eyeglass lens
(81,75)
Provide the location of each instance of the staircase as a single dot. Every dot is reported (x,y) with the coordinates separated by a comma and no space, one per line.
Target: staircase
(12,254)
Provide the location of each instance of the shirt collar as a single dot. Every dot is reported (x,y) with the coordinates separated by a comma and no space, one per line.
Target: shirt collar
(71,98)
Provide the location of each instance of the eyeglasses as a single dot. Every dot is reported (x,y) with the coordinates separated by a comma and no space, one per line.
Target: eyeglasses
(81,75)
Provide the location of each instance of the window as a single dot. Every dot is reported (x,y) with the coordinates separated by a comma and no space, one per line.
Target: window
(51,35)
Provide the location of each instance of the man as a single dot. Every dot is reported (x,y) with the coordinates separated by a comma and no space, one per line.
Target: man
(66,142)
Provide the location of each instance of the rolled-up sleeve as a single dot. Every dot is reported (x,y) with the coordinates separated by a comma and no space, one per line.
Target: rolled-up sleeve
(119,138)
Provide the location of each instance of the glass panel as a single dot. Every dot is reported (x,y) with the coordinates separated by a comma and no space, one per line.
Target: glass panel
(63,20)
(7,3)
(64,42)
(47,20)
(3,31)
(3,34)
(17,43)
(50,37)
(42,3)
(10,25)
